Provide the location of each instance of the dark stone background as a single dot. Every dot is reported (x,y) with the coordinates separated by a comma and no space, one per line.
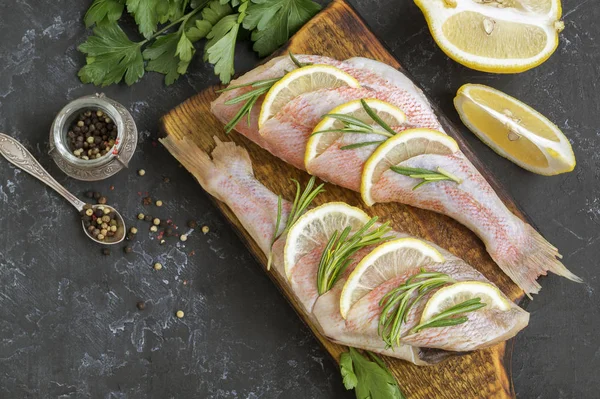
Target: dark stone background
(69,327)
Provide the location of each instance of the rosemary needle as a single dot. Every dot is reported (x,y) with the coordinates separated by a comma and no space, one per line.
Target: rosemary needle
(341,247)
(302,201)
(427,176)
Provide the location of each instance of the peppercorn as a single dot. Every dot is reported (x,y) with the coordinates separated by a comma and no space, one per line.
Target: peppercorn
(180,314)
(147,201)
(99,212)
(128,249)
(130,237)
(100,236)
(166,180)
(205,229)
(89,194)
(107,211)
(140,305)
(113,229)
(141,172)
(192,224)
(133,230)
(97,195)
(159,203)
(105,251)
(148,218)
(156,221)
(106,218)
(157,266)
(88,133)
(102,200)
(141,216)
(89,212)
(183,237)
(169,232)
(154,229)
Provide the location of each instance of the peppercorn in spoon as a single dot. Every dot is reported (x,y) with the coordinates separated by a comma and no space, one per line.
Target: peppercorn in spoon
(97,220)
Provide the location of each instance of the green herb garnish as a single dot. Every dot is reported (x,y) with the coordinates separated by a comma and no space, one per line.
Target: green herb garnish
(341,247)
(398,302)
(428,176)
(259,88)
(301,203)
(356,126)
(368,376)
(170,28)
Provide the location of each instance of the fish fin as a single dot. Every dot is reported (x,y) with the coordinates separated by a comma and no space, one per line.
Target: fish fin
(232,158)
(533,259)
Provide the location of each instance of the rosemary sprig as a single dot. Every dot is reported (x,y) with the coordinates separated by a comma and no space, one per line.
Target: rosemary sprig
(341,247)
(301,203)
(445,319)
(259,87)
(398,302)
(427,176)
(356,126)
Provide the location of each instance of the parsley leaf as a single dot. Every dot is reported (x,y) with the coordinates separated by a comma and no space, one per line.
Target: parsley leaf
(161,57)
(370,378)
(215,10)
(147,14)
(103,11)
(220,48)
(273,21)
(110,56)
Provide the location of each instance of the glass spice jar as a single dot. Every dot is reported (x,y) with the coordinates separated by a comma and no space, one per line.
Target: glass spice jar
(107,165)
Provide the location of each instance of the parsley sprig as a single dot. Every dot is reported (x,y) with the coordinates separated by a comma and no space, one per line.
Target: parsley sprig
(368,376)
(342,246)
(171,28)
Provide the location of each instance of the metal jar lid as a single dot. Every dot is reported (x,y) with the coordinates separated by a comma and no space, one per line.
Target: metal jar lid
(107,165)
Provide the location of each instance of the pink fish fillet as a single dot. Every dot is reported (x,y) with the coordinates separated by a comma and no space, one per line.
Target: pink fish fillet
(520,251)
(228,176)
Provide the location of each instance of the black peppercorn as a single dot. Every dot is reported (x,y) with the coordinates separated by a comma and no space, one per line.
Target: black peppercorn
(105,251)
(148,218)
(97,195)
(102,200)
(89,194)
(128,249)
(141,305)
(192,224)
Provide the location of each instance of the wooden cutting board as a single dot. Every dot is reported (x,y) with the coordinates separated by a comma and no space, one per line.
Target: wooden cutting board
(340,33)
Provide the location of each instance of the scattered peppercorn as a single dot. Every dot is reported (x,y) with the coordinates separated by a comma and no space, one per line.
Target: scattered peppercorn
(141,172)
(91,135)
(147,201)
(156,221)
(192,224)
(154,229)
(159,203)
(141,216)
(89,194)
(166,179)
(169,232)
(128,249)
(97,195)
(133,230)
(162,242)
(183,237)
(180,314)
(140,305)
(102,200)
(105,251)
(148,218)
(205,229)
(157,266)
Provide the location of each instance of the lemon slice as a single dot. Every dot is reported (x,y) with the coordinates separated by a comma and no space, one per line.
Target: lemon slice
(454,294)
(318,143)
(302,80)
(514,130)
(388,260)
(315,228)
(402,146)
(499,36)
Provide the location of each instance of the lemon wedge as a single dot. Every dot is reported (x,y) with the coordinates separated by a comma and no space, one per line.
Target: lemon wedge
(402,146)
(388,260)
(299,81)
(454,294)
(499,36)
(315,228)
(514,130)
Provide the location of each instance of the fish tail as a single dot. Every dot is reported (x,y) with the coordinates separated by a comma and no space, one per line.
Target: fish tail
(227,159)
(534,258)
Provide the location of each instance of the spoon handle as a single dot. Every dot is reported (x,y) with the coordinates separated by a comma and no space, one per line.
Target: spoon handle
(18,155)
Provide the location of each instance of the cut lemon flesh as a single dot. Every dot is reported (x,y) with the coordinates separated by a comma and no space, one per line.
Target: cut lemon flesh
(454,294)
(514,130)
(299,81)
(402,146)
(318,143)
(501,36)
(387,261)
(315,227)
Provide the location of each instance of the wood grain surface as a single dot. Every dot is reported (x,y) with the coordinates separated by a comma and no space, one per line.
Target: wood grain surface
(340,33)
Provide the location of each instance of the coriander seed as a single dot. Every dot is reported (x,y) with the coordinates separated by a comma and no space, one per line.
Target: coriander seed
(154,229)
(183,237)
(159,203)
(141,172)
(133,230)
(141,216)
(205,229)
(180,314)
(157,266)
(89,212)
(100,236)
(156,221)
